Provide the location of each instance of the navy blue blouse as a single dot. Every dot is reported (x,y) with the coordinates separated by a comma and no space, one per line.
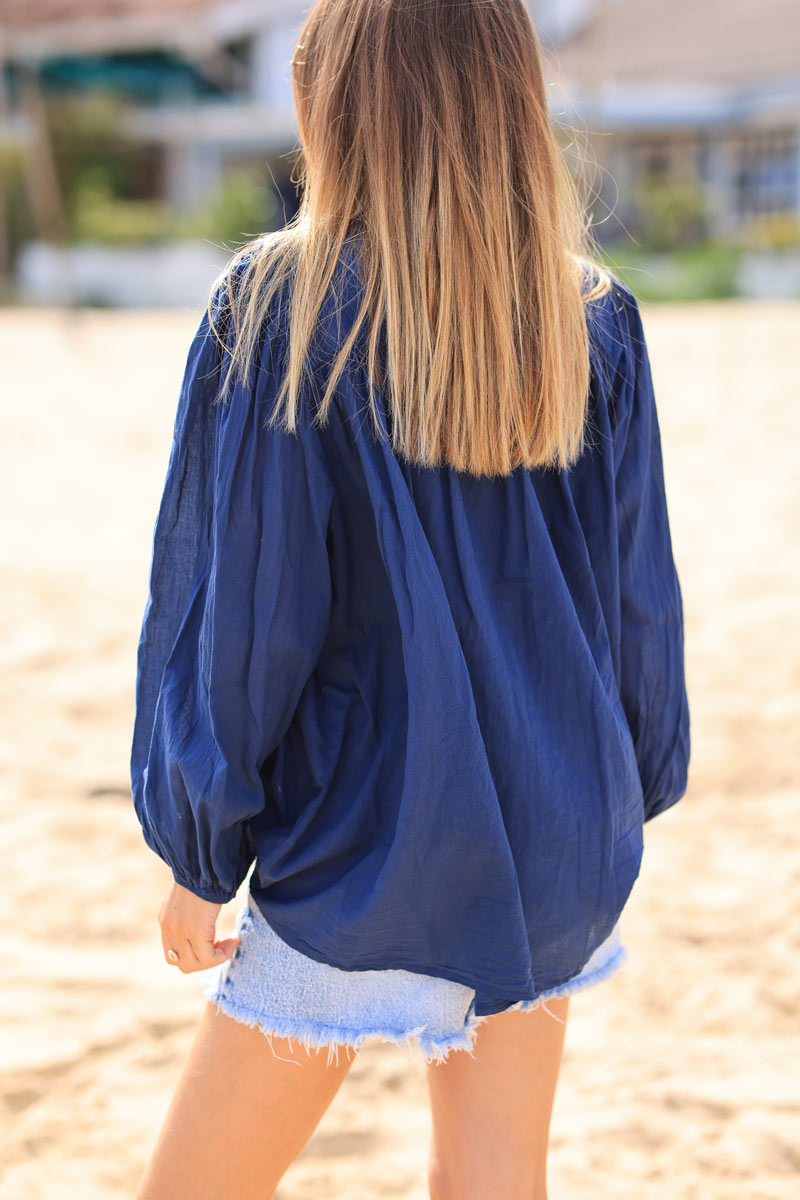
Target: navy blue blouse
(435,709)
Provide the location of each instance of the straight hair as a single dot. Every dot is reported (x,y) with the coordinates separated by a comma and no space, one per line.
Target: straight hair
(425,133)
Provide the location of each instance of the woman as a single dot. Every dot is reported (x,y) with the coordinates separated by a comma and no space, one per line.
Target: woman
(413,647)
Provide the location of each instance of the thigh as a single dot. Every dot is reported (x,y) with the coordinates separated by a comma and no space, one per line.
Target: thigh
(491,1112)
(241,1113)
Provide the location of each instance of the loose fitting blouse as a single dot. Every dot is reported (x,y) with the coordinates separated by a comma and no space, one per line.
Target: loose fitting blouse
(431,711)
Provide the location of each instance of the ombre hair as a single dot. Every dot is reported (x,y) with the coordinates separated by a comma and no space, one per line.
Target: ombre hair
(425,132)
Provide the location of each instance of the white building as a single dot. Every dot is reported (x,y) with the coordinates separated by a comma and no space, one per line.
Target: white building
(711,90)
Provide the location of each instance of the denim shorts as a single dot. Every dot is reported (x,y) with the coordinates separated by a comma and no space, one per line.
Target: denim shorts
(268,984)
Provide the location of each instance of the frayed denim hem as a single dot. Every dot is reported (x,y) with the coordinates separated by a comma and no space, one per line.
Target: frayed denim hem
(586,979)
(269,985)
(315,1036)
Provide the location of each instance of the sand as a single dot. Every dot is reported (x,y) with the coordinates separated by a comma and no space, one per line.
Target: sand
(681,1073)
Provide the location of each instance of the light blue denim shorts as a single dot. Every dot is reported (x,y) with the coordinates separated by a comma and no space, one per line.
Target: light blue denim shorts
(268,984)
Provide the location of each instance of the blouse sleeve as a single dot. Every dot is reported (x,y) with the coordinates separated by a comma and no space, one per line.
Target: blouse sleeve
(653,684)
(238,607)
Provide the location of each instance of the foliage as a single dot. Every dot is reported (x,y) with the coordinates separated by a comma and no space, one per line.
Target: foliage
(770,231)
(233,214)
(99,216)
(108,184)
(90,154)
(16,210)
(242,208)
(705,271)
(673,211)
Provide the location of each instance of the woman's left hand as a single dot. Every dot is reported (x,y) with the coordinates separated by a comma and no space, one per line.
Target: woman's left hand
(188,924)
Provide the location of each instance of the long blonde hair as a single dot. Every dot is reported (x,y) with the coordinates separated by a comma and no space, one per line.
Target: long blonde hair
(425,132)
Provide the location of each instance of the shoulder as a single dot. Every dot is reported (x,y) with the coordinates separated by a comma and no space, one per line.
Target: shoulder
(608,300)
(614,323)
(264,285)
(255,268)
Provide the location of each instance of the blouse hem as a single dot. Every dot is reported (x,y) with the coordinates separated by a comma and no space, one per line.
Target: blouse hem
(518,997)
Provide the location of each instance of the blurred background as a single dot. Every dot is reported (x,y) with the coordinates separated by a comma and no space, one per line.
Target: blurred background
(138,138)
(141,141)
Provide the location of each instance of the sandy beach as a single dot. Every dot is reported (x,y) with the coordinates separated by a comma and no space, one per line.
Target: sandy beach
(680,1076)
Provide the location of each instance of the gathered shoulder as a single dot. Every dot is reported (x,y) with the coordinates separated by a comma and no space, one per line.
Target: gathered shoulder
(615,328)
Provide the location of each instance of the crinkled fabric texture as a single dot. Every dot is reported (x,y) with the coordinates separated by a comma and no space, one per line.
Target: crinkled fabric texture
(431,711)
(269,985)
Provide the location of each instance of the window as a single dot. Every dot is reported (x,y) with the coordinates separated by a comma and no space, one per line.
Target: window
(766,176)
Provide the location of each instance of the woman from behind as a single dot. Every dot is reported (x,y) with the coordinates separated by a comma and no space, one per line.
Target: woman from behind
(414,639)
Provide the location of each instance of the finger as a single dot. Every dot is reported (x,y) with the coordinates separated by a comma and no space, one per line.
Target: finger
(225,948)
(189,959)
(211,953)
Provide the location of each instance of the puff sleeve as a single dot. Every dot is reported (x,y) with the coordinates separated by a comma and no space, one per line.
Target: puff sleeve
(652,667)
(236,614)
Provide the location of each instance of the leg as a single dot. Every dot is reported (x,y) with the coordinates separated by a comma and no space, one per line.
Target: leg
(491,1112)
(240,1114)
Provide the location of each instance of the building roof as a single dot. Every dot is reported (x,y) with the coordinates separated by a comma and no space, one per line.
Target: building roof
(33,14)
(42,28)
(630,62)
(717,43)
